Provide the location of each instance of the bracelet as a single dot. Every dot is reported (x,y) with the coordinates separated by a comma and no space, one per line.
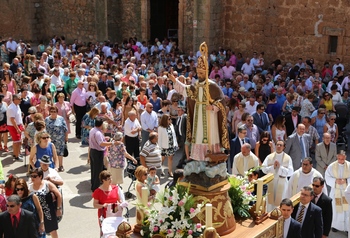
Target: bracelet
(41,222)
(59,208)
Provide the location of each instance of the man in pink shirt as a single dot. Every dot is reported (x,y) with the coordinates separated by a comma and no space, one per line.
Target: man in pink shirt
(78,103)
(227,70)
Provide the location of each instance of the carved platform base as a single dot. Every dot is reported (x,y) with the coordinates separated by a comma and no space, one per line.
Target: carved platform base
(223,219)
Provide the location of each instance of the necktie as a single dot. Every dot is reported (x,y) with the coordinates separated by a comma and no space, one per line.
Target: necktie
(316,199)
(261,119)
(302,148)
(15,222)
(301,214)
(242,141)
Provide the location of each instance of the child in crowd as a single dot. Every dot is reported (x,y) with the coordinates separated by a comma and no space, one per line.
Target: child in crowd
(9,185)
(153,181)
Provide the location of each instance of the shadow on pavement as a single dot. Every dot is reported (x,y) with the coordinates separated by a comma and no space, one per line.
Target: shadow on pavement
(78,170)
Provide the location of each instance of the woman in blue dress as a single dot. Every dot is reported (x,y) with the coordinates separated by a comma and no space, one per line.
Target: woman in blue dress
(320,121)
(57,128)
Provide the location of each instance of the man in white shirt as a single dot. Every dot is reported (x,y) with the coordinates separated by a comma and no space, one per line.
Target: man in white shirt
(132,128)
(337,64)
(302,177)
(280,164)
(15,125)
(57,81)
(149,122)
(291,228)
(247,67)
(244,160)
(251,105)
(11,46)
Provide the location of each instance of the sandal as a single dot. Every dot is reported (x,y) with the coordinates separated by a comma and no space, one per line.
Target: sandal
(1,147)
(5,149)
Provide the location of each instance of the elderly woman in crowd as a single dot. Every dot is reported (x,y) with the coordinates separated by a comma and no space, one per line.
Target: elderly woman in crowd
(106,194)
(331,127)
(31,130)
(319,122)
(117,111)
(57,128)
(31,203)
(167,141)
(306,106)
(64,109)
(116,159)
(43,147)
(45,190)
(43,107)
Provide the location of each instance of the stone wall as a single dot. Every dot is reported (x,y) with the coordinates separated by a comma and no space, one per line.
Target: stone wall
(287,29)
(17,19)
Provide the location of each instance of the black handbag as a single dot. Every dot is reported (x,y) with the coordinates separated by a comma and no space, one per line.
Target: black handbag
(65,152)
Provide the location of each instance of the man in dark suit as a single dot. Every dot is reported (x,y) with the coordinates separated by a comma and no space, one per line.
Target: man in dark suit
(324,202)
(298,146)
(261,119)
(103,84)
(160,87)
(292,120)
(17,222)
(180,129)
(291,228)
(309,215)
(236,144)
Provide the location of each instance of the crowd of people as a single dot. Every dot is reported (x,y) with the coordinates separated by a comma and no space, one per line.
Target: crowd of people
(128,102)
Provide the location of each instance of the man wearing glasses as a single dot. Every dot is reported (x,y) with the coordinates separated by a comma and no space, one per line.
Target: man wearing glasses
(17,222)
(326,153)
(15,125)
(324,202)
(280,165)
(338,177)
(308,214)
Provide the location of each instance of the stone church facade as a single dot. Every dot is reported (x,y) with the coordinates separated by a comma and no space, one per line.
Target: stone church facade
(284,29)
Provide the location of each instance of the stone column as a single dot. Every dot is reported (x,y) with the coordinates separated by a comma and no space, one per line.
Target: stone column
(101,20)
(145,20)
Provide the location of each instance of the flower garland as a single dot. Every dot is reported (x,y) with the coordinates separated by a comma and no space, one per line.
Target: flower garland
(171,215)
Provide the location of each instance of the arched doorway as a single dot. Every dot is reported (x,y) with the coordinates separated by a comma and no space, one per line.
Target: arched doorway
(164,19)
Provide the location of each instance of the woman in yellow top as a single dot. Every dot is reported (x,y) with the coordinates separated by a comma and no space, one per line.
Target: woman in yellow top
(327,101)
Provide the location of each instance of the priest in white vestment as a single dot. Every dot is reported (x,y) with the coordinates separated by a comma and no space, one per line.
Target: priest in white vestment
(303,177)
(244,160)
(337,176)
(281,166)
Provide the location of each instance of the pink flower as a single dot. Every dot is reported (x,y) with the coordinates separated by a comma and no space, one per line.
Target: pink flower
(190,232)
(192,210)
(161,221)
(248,193)
(181,203)
(155,229)
(149,204)
(170,231)
(198,225)
(170,198)
(243,188)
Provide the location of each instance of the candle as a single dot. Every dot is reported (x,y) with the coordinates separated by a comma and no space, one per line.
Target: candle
(209,215)
(144,196)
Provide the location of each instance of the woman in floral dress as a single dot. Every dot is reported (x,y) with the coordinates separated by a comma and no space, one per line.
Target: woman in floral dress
(57,128)
(116,159)
(117,111)
(167,141)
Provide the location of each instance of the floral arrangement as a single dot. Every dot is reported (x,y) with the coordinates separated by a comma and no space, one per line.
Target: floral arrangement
(171,215)
(241,197)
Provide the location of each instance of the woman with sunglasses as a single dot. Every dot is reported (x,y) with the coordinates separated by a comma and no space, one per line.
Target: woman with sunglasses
(43,147)
(57,128)
(9,81)
(320,122)
(331,127)
(327,101)
(44,189)
(31,203)
(264,146)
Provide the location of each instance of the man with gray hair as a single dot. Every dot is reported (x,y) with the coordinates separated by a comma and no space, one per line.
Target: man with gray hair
(17,222)
(132,128)
(245,160)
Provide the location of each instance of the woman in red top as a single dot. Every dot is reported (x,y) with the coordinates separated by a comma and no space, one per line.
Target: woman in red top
(105,195)
(142,98)
(10,185)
